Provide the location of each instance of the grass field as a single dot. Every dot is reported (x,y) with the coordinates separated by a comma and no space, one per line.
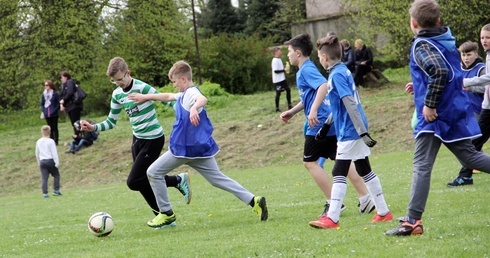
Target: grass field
(266,160)
(216,224)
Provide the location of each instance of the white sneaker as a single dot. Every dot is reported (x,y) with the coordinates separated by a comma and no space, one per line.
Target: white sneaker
(366,207)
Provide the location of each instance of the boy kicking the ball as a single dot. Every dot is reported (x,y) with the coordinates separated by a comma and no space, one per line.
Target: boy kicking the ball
(191,143)
(148,137)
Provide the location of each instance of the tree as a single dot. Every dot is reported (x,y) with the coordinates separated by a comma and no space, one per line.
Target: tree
(12,43)
(289,12)
(54,36)
(150,35)
(260,13)
(220,16)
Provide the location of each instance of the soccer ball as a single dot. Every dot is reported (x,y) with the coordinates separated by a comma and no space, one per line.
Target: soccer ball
(100,224)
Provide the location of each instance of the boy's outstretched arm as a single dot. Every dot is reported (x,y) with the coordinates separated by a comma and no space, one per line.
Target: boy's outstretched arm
(354,114)
(138,97)
(477,81)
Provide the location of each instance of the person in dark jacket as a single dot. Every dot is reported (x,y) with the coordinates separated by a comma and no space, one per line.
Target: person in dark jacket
(83,138)
(50,106)
(348,56)
(68,88)
(364,61)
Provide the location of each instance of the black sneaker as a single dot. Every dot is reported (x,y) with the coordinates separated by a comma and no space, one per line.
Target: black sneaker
(459,181)
(407,227)
(327,206)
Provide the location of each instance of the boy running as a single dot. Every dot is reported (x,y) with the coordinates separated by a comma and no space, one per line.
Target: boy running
(191,143)
(353,140)
(148,137)
(312,87)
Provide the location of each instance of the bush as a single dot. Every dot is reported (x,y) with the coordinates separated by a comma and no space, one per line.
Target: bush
(241,65)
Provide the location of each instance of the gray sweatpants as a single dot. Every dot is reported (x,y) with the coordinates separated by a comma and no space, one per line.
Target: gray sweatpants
(207,167)
(48,167)
(426,148)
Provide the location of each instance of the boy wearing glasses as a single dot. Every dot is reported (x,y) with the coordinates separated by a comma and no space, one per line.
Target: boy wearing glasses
(148,137)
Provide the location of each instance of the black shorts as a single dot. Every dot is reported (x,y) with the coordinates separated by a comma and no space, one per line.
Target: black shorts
(281,86)
(314,149)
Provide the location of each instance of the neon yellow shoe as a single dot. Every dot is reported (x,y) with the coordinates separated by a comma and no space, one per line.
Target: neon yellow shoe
(260,207)
(162,220)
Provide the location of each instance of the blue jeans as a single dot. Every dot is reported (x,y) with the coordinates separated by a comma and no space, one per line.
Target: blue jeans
(76,147)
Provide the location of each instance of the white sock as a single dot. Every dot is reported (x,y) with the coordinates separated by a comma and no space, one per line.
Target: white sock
(338,194)
(374,187)
(364,198)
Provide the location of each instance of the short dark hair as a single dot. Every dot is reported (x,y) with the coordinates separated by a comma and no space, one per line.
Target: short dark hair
(301,42)
(330,46)
(468,46)
(425,12)
(66,74)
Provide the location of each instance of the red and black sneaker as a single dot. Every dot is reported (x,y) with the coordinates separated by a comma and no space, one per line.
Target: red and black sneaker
(407,227)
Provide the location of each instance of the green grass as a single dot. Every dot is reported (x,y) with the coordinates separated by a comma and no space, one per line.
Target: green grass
(217,224)
(266,160)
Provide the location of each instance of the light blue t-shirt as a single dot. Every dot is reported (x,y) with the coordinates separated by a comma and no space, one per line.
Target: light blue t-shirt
(308,80)
(341,84)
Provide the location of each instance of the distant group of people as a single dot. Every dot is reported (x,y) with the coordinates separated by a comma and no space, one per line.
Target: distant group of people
(51,104)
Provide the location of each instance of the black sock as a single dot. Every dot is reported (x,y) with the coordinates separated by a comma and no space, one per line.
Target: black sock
(252,202)
(168,213)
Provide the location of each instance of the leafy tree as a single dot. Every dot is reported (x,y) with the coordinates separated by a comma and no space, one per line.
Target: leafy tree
(12,43)
(375,20)
(56,36)
(260,13)
(240,64)
(150,35)
(220,16)
(288,12)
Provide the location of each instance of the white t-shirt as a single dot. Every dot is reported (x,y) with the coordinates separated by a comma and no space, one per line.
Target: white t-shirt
(189,98)
(46,149)
(277,65)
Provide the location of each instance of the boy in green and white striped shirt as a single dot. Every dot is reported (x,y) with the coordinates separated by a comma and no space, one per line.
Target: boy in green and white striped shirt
(148,137)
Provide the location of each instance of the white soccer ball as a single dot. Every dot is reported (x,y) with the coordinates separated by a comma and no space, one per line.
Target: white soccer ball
(100,224)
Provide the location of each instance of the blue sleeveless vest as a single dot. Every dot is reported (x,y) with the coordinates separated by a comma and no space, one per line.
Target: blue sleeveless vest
(475,98)
(455,119)
(189,141)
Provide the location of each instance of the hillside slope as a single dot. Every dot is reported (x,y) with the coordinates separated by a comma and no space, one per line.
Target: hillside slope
(244,144)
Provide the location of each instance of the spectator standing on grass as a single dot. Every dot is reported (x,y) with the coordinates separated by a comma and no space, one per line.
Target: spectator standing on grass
(47,158)
(363,63)
(279,78)
(50,106)
(191,143)
(443,113)
(148,137)
(72,108)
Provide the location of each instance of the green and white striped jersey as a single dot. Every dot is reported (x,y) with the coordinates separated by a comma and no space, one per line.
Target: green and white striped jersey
(142,116)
